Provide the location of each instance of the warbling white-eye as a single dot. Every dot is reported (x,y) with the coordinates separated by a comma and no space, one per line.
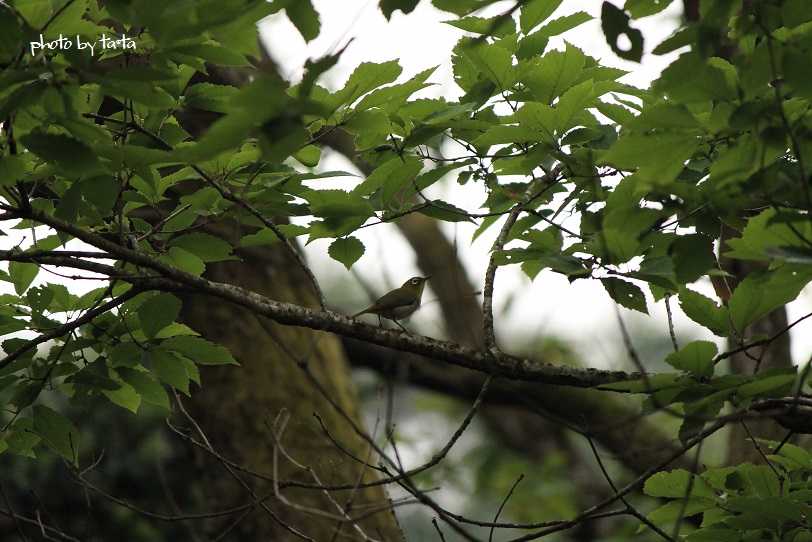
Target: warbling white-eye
(400,303)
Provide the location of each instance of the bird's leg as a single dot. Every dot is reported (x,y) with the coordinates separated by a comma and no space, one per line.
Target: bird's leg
(401,327)
(380,322)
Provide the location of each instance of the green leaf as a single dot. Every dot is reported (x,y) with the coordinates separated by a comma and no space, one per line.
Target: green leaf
(200,350)
(493,26)
(551,75)
(68,153)
(674,484)
(210,97)
(493,60)
(615,23)
(184,260)
(695,357)
(22,275)
(147,387)
(693,78)
(366,77)
(764,291)
(57,432)
(447,212)
(157,312)
(346,250)
(768,384)
(535,43)
(535,12)
(392,97)
(266,236)
(389,6)
(337,204)
(644,8)
(169,368)
(144,93)
(304,18)
(768,233)
(705,312)
(570,107)
(206,247)
(668,513)
(714,534)
(660,156)
(10,34)
(308,155)
(125,354)
(625,293)
(125,396)
(693,257)
(12,169)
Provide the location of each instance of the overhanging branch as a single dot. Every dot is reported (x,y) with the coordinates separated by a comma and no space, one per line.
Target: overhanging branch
(501,365)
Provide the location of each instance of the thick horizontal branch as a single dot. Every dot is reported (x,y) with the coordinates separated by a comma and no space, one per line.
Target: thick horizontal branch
(502,365)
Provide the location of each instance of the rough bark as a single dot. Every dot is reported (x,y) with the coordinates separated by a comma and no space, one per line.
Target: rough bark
(237,406)
(775,354)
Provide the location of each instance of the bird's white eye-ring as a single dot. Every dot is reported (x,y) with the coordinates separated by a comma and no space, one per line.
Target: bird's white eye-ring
(415,281)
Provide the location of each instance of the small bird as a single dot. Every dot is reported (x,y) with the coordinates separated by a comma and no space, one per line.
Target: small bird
(398,304)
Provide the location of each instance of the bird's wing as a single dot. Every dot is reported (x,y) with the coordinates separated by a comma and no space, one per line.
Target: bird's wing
(391,300)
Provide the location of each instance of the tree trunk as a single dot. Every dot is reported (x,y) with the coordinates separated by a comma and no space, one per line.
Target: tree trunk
(772,355)
(237,407)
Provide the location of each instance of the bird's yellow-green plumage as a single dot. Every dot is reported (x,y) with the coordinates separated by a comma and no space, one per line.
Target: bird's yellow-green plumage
(400,302)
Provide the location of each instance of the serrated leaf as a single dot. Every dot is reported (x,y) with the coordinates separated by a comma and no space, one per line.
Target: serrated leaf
(346,250)
(535,12)
(366,77)
(535,43)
